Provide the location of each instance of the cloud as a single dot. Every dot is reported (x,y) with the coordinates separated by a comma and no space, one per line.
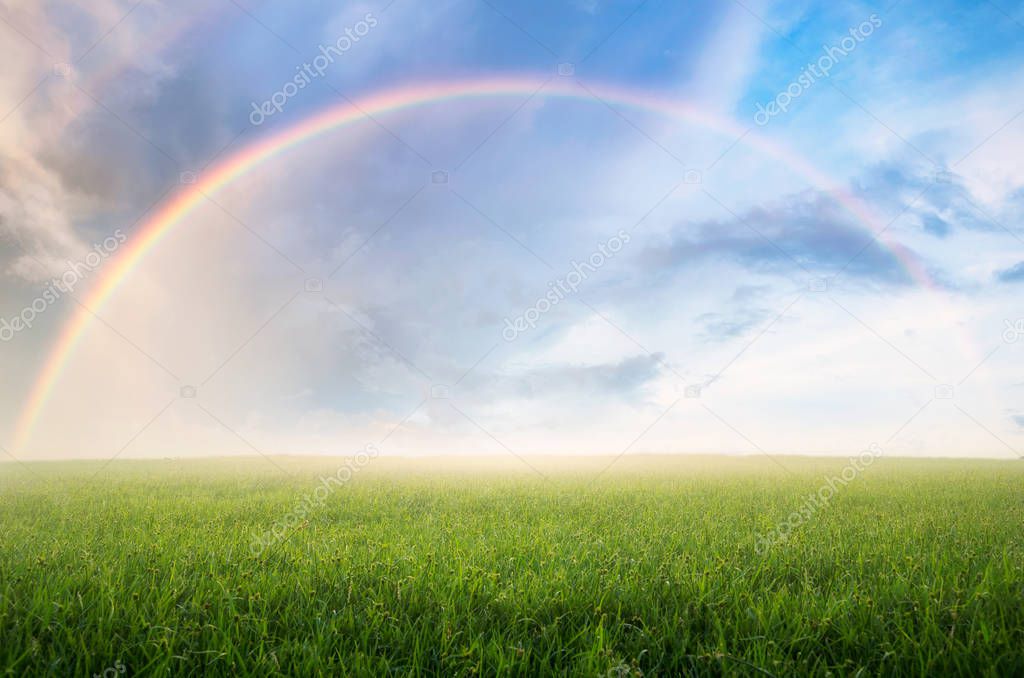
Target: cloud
(1014,274)
(563,386)
(67,160)
(803,235)
(724,66)
(719,326)
(940,199)
(739,315)
(935,225)
(623,378)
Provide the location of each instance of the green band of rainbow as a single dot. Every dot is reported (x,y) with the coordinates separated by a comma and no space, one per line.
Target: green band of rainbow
(398,99)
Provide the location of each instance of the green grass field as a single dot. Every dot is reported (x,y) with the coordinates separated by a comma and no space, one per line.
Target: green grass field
(446,567)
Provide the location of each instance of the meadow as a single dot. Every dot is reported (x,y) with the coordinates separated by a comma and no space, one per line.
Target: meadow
(441,567)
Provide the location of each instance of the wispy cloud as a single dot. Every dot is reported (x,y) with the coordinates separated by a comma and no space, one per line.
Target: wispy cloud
(1014,274)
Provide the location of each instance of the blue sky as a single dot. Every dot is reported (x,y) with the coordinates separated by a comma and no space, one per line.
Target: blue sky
(748,310)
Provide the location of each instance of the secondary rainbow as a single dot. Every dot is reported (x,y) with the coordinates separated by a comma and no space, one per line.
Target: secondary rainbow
(389,101)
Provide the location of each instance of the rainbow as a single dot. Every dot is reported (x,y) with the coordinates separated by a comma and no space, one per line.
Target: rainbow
(228,170)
